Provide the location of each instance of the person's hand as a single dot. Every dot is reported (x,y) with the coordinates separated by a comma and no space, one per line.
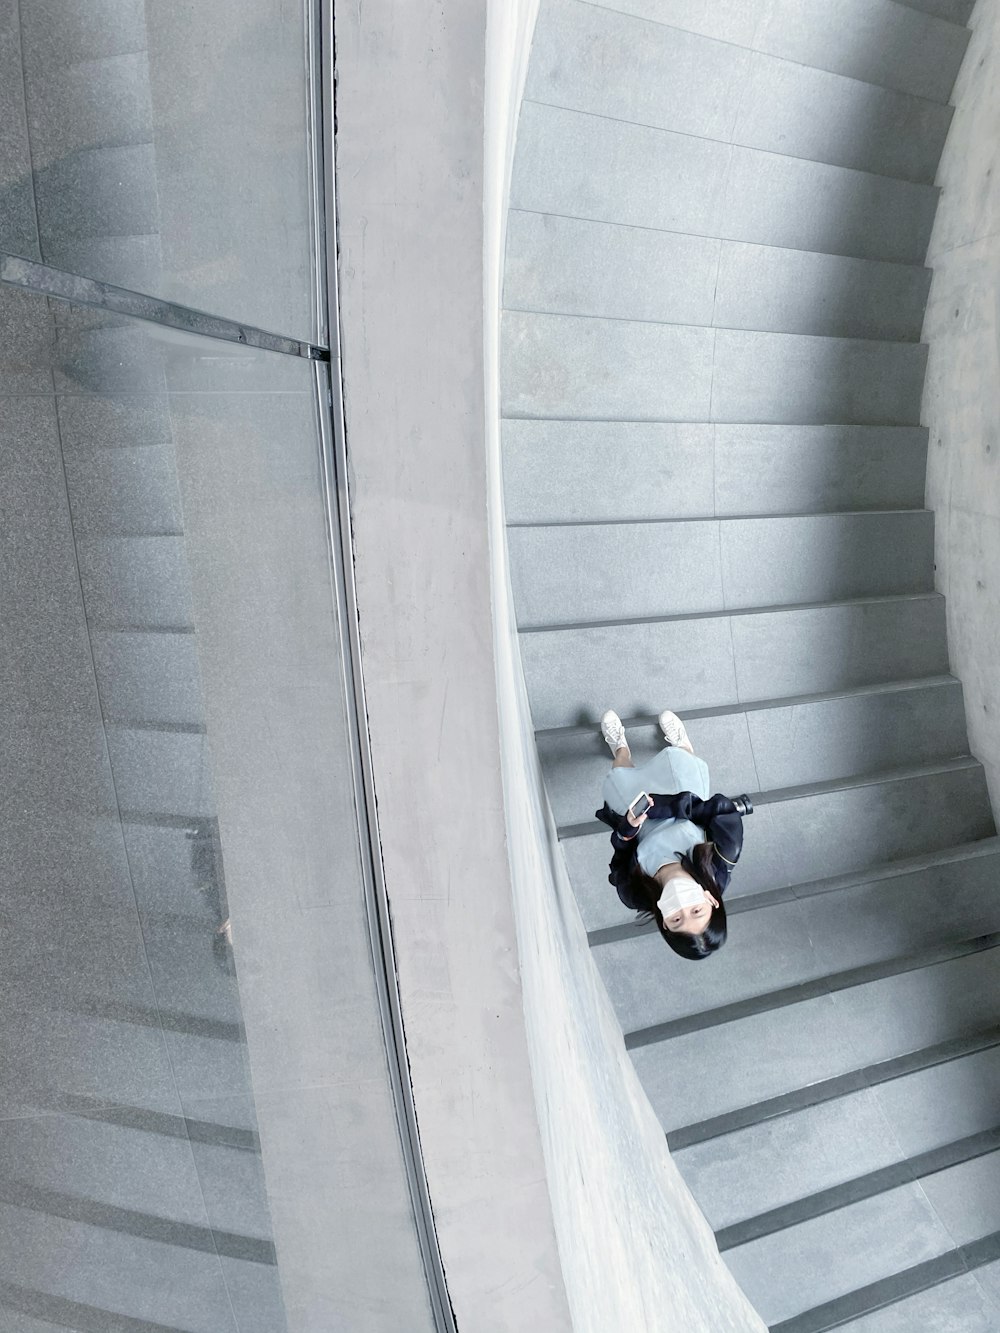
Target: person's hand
(636,822)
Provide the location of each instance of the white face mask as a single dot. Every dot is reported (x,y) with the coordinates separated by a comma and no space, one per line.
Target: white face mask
(679,892)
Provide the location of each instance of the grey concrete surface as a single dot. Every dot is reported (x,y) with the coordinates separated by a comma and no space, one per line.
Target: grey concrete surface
(588,57)
(606,369)
(781,746)
(957,1306)
(579,165)
(875,40)
(569,266)
(412,259)
(690,470)
(790,1047)
(587,573)
(959,405)
(763,174)
(864,1131)
(702,662)
(205,1127)
(135,148)
(877,1237)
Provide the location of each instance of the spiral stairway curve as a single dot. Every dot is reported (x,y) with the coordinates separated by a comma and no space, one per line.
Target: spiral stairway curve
(714,489)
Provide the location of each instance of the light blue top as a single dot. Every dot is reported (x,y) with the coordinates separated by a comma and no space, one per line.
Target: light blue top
(661,841)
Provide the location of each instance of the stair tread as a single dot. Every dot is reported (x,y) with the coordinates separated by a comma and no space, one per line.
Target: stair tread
(832,36)
(578,165)
(841,1139)
(936,680)
(570,366)
(583,268)
(819,1039)
(716,89)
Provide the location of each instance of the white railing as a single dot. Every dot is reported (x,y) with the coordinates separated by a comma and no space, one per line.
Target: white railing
(637,1253)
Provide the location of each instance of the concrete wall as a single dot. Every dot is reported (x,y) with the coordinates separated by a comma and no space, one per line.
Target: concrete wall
(410,165)
(961,403)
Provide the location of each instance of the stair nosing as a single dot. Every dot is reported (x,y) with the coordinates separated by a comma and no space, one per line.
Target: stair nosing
(722,328)
(166,728)
(700,518)
(903,1171)
(126,627)
(748,148)
(723,613)
(830,1089)
(786,996)
(938,680)
(920,97)
(902,773)
(896,1287)
(162,819)
(508,415)
(922,266)
(943,764)
(719,328)
(723,240)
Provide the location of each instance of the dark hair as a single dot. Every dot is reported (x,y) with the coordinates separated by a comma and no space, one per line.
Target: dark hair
(698,864)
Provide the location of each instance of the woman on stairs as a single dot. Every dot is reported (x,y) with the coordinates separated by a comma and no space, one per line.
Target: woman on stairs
(674,851)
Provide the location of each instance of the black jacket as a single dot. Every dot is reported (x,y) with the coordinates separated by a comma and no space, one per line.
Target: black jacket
(720,816)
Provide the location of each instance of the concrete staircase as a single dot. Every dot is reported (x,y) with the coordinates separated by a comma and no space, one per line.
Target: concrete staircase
(714,486)
(88,107)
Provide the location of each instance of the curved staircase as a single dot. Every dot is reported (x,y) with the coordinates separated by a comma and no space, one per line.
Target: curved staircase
(714,479)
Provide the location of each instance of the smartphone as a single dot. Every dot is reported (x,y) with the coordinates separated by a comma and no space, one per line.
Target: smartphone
(640,805)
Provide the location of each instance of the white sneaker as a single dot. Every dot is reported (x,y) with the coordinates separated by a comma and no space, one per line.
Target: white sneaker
(613,731)
(673,730)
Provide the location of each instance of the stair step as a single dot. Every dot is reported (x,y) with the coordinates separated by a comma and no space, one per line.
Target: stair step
(132,582)
(782,1050)
(135,262)
(123,491)
(580,574)
(124,421)
(162,772)
(777,745)
(25,361)
(852,827)
(699,470)
(622,924)
(960,1293)
(959,1162)
(583,166)
(954,11)
(877,40)
(590,58)
(110,359)
(55,33)
(101,103)
(826,1258)
(829,1144)
(565,266)
(148,678)
(699,662)
(99,192)
(765,1001)
(937,1056)
(571,366)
